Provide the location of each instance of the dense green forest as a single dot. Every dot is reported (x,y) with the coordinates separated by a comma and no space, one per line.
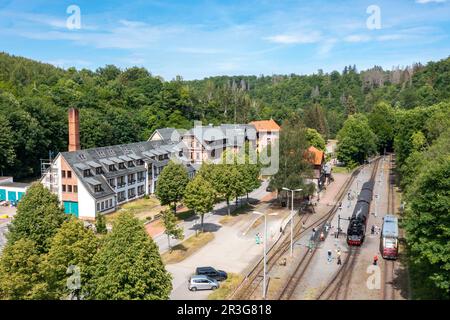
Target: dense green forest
(121,106)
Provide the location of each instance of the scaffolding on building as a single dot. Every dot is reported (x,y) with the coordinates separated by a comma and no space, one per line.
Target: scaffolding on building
(49,174)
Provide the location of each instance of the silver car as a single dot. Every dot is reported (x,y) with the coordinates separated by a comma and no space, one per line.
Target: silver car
(202,283)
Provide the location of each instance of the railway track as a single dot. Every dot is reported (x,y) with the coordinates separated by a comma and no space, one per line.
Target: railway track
(253,280)
(389,265)
(338,287)
(292,283)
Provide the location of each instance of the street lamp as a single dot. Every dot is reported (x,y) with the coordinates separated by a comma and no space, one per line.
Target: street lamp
(292,216)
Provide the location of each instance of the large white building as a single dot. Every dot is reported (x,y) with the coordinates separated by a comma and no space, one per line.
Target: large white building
(96,181)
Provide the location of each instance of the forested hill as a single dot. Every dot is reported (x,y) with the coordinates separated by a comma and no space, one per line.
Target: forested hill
(120,106)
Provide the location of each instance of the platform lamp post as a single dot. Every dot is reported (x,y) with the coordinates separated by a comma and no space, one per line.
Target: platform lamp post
(292,216)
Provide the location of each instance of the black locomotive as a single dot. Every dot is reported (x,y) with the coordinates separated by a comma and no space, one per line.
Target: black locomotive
(357,226)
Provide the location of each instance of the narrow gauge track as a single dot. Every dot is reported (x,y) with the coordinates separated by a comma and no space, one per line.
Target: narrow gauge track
(253,280)
(338,287)
(292,283)
(389,265)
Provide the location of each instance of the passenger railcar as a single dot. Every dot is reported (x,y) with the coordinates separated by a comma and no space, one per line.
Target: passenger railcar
(389,237)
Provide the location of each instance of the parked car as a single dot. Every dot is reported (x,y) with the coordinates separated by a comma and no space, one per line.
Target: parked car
(218,275)
(202,282)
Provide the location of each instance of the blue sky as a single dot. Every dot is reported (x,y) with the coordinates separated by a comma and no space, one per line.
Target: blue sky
(196,39)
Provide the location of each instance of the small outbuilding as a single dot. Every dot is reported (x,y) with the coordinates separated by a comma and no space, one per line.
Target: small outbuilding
(12,191)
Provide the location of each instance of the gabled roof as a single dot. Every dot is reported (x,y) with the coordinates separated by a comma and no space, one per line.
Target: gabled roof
(104,156)
(166,134)
(266,125)
(316,156)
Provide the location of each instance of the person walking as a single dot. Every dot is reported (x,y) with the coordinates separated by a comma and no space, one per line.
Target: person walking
(375,260)
(330,256)
(372,230)
(338,254)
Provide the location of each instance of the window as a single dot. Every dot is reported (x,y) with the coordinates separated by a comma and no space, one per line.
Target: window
(87,173)
(180,154)
(161,157)
(103,205)
(121,181)
(69,188)
(99,170)
(69,174)
(98,188)
(63,188)
(140,162)
(213,153)
(111,183)
(63,173)
(131,179)
(98,206)
(75,189)
(198,156)
(131,193)
(110,203)
(130,164)
(112,168)
(121,166)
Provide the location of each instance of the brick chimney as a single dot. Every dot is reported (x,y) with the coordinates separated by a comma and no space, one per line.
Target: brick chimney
(74,130)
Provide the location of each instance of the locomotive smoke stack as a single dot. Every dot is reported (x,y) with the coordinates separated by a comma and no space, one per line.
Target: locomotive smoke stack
(74,130)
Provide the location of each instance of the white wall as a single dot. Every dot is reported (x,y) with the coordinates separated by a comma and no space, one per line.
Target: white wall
(86,203)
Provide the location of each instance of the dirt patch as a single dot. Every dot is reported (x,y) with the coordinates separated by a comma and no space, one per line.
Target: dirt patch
(187,248)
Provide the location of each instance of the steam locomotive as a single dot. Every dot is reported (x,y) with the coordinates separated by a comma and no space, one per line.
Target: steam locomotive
(357,227)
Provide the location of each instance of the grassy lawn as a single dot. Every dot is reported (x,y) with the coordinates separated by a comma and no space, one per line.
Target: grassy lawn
(241,210)
(187,248)
(226,287)
(143,209)
(341,170)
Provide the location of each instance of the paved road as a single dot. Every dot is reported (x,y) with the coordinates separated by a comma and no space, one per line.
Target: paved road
(211,220)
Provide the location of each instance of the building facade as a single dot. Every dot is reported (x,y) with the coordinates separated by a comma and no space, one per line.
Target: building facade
(96,181)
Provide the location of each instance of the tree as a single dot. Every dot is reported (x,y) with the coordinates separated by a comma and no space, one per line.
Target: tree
(315,139)
(7,154)
(427,223)
(171,227)
(382,123)
(314,118)
(128,265)
(199,196)
(225,182)
(19,270)
(356,141)
(39,215)
(294,168)
(171,184)
(100,224)
(350,106)
(72,249)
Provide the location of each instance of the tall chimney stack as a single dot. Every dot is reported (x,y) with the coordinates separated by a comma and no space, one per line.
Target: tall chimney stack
(74,130)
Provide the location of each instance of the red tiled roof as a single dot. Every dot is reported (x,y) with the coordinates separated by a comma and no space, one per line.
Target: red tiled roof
(317,156)
(266,125)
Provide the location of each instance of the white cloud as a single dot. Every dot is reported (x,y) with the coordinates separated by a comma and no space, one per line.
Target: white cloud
(430,1)
(312,37)
(357,38)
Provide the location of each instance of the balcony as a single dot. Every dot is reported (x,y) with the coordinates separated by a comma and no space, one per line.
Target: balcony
(121,185)
(131,182)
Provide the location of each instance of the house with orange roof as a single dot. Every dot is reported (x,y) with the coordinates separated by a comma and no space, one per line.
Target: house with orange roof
(317,159)
(267,132)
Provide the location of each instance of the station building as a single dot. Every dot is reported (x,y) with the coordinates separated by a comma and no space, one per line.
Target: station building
(96,181)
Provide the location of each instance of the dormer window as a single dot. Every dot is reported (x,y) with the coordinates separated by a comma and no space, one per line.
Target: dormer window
(87,173)
(130,164)
(112,168)
(140,162)
(122,166)
(98,188)
(99,170)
